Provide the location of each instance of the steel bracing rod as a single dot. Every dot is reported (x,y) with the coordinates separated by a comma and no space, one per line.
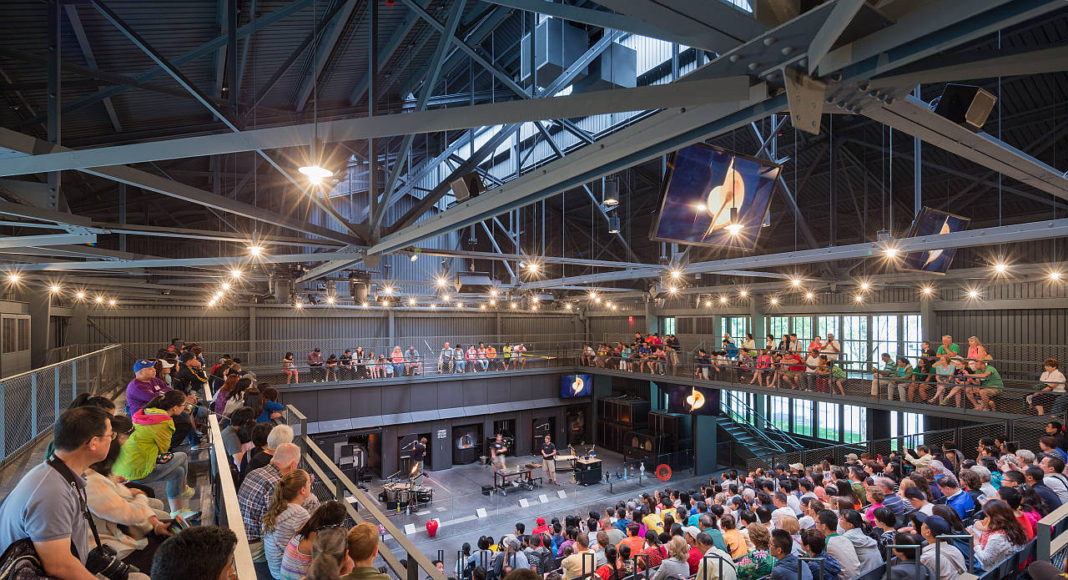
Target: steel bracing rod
(190,262)
(201,51)
(509,113)
(841,15)
(246,47)
(505,260)
(713,26)
(506,132)
(90,59)
(784,190)
(46,240)
(188,85)
(970,66)
(965,239)
(437,60)
(386,53)
(599,18)
(326,50)
(10,141)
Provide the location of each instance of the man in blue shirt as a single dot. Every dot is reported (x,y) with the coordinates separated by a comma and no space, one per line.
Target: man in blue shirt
(956,498)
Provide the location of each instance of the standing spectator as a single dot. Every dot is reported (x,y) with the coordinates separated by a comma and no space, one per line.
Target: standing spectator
(363,549)
(359,359)
(315,365)
(45,507)
(200,552)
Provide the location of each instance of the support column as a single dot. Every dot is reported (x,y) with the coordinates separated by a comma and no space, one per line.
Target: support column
(652,318)
(392,327)
(254,356)
(78,327)
(705,444)
(928,321)
(878,424)
(756,318)
(655,399)
(40,325)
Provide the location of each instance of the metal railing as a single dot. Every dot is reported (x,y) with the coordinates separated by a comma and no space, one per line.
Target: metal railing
(761,427)
(30,402)
(227,508)
(314,459)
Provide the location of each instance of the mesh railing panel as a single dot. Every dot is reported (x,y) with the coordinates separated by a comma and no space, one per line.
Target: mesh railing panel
(29,401)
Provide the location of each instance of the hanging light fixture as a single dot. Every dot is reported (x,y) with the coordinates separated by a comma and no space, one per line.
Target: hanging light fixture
(315,172)
(611,192)
(613,224)
(734,227)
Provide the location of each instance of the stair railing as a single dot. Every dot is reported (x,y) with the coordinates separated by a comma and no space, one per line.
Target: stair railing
(761,427)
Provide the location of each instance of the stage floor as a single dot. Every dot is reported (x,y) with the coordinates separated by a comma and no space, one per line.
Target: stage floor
(458,497)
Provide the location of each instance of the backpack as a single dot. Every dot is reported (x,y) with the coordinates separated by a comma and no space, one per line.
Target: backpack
(21,562)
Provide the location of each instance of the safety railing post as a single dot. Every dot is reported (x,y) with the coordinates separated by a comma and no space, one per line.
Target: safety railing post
(33,406)
(73,381)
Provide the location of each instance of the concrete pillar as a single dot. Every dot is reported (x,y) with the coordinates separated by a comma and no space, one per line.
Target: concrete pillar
(705,444)
(928,321)
(652,318)
(878,424)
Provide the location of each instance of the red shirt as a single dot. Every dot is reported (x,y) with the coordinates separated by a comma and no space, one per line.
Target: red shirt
(694,559)
(542,529)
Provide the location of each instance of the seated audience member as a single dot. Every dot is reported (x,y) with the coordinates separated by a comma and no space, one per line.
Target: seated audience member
(997,535)
(145,457)
(816,547)
(787,565)
(272,409)
(285,515)
(582,561)
(237,436)
(906,566)
(363,549)
(200,552)
(45,509)
(258,435)
(676,564)
(956,498)
(277,435)
(838,546)
(254,497)
(760,556)
(866,547)
(124,517)
(951,563)
(330,557)
(225,393)
(716,564)
(613,568)
(300,550)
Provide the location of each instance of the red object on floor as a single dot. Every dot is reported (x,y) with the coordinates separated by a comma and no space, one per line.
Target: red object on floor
(663,472)
(432,528)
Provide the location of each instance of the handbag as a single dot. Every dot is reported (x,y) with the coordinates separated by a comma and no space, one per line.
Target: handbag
(21,562)
(232,404)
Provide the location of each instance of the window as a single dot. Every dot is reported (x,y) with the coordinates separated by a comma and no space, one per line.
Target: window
(803,417)
(827,416)
(779,412)
(854,424)
(736,326)
(855,342)
(827,325)
(9,335)
(668,325)
(725,402)
(738,407)
(911,336)
(24,334)
(802,327)
(884,336)
(778,326)
(912,424)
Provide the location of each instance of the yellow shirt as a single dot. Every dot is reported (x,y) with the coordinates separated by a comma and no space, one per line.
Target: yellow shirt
(653,522)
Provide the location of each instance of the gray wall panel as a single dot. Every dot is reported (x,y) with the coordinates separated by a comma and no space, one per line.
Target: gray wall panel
(474,392)
(366,402)
(424,397)
(396,399)
(334,404)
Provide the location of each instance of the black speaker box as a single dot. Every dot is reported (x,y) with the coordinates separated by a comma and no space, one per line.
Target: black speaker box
(966,105)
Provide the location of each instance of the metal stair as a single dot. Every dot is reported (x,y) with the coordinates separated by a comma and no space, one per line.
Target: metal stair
(761,439)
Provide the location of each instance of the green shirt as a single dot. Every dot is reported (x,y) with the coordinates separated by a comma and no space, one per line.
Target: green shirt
(953,347)
(904,372)
(365,573)
(889,368)
(994,380)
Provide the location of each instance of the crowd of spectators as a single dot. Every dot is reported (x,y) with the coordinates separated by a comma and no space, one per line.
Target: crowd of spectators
(940,376)
(822,522)
(357,363)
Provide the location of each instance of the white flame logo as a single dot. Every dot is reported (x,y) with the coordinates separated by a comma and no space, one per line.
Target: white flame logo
(578,385)
(696,400)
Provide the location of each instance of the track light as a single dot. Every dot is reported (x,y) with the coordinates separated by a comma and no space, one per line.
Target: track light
(673,290)
(387,290)
(493,292)
(891,252)
(445,298)
(592,295)
(441,281)
(865,286)
(613,224)
(675,273)
(611,193)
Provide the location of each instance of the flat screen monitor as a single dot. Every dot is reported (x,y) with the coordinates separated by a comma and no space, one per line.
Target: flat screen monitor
(576,386)
(692,400)
(704,184)
(932,222)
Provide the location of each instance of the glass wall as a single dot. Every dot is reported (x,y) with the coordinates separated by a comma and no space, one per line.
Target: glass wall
(855,341)
(736,326)
(779,412)
(884,337)
(802,327)
(854,424)
(668,325)
(803,417)
(828,325)
(911,336)
(777,327)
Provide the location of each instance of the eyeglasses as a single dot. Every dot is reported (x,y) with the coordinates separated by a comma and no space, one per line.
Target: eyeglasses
(111,435)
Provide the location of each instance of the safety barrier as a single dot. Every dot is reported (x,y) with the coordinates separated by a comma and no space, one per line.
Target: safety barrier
(31,401)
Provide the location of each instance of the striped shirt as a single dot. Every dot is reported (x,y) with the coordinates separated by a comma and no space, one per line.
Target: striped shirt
(277,540)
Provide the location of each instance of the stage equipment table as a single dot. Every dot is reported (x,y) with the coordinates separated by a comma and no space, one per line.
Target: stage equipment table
(516,477)
(587,470)
(565,462)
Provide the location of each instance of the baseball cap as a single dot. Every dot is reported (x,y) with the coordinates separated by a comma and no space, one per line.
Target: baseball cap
(797,466)
(938,525)
(166,363)
(851,457)
(541,521)
(143,364)
(692,530)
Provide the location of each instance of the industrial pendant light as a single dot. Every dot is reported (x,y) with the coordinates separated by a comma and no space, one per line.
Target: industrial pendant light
(613,224)
(611,192)
(315,172)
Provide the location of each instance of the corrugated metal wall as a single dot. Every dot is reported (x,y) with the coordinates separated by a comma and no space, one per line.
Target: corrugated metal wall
(621,325)
(1049,326)
(446,326)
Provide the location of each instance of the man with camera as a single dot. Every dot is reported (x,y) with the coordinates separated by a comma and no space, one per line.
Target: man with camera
(46,513)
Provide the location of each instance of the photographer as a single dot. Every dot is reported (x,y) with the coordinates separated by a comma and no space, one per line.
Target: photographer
(47,507)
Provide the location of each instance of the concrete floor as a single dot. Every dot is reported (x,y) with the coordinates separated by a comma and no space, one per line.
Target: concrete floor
(457,496)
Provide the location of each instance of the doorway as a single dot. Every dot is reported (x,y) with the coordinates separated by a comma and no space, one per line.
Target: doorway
(467,445)
(406,464)
(541,427)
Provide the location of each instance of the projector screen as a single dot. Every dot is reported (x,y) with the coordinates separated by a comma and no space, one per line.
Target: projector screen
(692,400)
(933,222)
(703,184)
(576,386)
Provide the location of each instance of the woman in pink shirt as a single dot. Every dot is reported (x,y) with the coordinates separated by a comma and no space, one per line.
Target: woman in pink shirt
(976,350)
(875,497)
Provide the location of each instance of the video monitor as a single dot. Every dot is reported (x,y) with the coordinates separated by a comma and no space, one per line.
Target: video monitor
(576,386)
(692,400)
(933,222)
(704,184)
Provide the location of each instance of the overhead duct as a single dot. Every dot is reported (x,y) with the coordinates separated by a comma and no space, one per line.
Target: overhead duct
(616,67)
(281,288)
(557,45)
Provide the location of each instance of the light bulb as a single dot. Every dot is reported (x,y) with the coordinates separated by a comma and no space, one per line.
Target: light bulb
(675,274)
(112,302)
(235,273)
(743,293)
(385,303)
(858,298)
(514,306)
(534,307)
(225,285)
(493,292)
(1054,275)
(534,299)
(607,304)
(567,306)
(774,301)
(673,290)
(927,290)
(298,305)
(330,300)
(218,295)
(865,286)
(411,302)
(592,295)
(387,290)
(734,229)
(444,297)
(440,281)
(891,252)
(255,250)
(433,306)
(493,302)
(809,295)
(533,266)
(14,278)
(1001,267)
(459,304)
(708,303)
(614,307)
(211,303)
(795,282)
(481,306)
(364,304)
(973,293)
(54,288)
(597,300)
(99,299)
(315,173)
(79,295)
(722,299)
